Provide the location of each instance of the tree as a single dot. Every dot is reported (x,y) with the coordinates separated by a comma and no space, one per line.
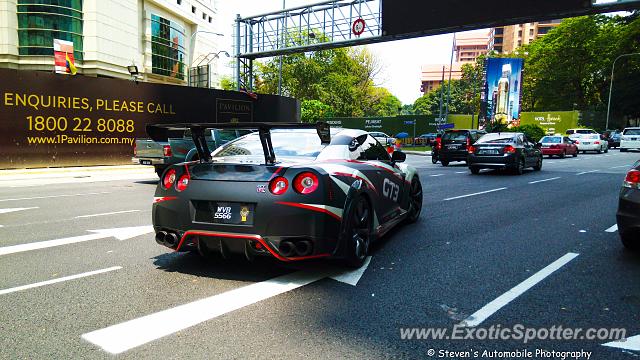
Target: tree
(383,103)
(314,110)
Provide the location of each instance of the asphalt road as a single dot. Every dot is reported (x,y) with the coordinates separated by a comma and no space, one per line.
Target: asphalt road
(478,238)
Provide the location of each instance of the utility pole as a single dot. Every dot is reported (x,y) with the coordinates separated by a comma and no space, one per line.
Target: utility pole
(453,49)
(611,85)
(441,95)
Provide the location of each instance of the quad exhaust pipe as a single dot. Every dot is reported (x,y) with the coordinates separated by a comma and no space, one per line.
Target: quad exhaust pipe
(160,235)
(287,248)
(303,248)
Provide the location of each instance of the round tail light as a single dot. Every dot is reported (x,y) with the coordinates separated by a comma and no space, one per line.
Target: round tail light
(169,178)
(305,183)
(279,185)
(183,182)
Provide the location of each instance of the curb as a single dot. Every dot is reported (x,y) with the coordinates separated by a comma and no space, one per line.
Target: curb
(419,153)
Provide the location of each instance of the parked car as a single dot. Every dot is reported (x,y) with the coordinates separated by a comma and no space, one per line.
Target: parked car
(630,139)
(177,148)
(505,150)
(383,138)
(628,215)
(425,139)
(580,131)
(558,145)
(590,142)
(613,138)
(454,144)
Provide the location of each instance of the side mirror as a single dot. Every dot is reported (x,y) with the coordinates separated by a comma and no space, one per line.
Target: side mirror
(398,156)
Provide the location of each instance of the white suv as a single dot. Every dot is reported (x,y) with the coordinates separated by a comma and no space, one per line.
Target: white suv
(630,139)
(580,131)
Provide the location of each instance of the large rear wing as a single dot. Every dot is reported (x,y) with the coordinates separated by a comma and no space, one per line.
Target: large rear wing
(162,132)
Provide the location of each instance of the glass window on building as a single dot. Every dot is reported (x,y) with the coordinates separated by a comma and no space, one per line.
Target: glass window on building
(167,47)
(41,21)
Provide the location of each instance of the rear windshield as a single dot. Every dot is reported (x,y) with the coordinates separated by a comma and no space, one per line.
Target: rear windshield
(631,132)
(584,131)
(496,139)
(303,143)
(551,140)
(455,136)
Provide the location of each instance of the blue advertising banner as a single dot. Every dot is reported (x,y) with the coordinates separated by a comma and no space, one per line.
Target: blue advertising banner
(503,90)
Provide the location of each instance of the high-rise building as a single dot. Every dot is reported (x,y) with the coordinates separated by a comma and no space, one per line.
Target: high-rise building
(506,39)
(469,46)
(163,38)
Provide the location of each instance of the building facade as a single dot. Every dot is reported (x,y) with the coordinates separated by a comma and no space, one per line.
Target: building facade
(469,46)
(506,39)
(111,35)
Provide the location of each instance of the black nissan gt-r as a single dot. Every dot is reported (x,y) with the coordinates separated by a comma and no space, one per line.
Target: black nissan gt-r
(290,191)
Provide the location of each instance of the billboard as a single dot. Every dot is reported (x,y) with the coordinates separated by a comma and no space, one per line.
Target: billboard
(52,120)
(503,90)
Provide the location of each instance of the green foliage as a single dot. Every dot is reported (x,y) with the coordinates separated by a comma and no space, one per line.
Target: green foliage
(226,83)
(340,79)
(314,110)
(533,132)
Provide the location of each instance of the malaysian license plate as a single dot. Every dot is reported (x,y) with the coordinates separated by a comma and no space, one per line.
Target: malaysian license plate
(488,152)
(216,212)
(145,162)
(452,147)
(586,143)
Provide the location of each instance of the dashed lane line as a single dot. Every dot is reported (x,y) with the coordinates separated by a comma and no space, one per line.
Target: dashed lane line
(474,194)
(545,180)
(612,229)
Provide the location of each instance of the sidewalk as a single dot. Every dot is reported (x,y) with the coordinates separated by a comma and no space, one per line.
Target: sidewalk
(420,153)
(49,176)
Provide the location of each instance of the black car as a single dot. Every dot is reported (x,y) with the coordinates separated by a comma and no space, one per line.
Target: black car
(504,151)
(613,138)
(454,145)
(628,216)
(287,191)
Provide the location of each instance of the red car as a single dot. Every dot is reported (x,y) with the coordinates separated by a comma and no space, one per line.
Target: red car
(558,145)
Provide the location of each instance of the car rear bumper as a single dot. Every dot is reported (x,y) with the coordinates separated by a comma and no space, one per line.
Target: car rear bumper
(456,155)
(274,220)
(550,151)
(590,147)
(628,215)
(492,162)
(627,144)
(148,161)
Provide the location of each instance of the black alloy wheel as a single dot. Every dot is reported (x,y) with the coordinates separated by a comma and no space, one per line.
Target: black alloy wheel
(520,167)
(358,234)
(415,200)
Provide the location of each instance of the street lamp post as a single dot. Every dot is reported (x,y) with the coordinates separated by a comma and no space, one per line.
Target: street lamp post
(191,49)
(611,85)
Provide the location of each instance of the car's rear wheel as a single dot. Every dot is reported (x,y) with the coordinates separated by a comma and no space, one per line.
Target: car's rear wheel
(623,150)
(519,170)
(538,165)
(358,232)
(575,154)
(606,150)
(599,151)
(445,162)
(415,200)
(434,158)
(628,243)
(563,155)
(474,170)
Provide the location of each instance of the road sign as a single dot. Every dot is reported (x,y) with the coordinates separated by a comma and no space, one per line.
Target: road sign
(446,126)
(409,122)
(358,27)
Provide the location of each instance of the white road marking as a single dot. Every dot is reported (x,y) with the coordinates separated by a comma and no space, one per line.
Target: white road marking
(474,194)
(545,180)
(436,175)
(121,337)
(352,277)
(461,172)
(4,211)
(105,214)
(58,280)
(632,343)
(621,166)
(587,172)
(53,196)
(612,229)
(481,315)
(118,233)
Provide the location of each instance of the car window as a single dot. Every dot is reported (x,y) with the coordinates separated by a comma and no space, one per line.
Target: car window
(631,132)
(304,143)
(551,139)
(496,139)
(458,136)
(584,131)
(371,149)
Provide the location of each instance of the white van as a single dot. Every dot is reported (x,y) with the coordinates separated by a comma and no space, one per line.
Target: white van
(630,139)
(580,131)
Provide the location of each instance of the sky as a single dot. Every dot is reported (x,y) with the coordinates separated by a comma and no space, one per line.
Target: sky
(400,60)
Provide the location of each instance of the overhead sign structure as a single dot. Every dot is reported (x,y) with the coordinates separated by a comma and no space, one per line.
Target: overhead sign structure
(63,56)
(358,27)
(503,84)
